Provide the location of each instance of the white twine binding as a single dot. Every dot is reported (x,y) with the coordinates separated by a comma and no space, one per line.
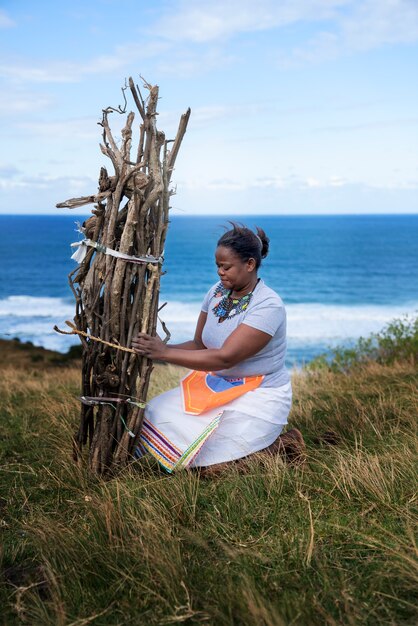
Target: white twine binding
(80,254)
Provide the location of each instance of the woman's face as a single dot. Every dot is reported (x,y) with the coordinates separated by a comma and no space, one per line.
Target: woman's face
(234,273)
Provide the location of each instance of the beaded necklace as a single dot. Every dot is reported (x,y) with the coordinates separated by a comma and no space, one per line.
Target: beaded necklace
(228,307)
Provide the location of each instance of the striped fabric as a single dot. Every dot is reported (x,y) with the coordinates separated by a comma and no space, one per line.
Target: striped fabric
(167,454)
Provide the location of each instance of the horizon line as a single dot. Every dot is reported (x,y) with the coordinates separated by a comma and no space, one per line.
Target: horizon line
(185,215)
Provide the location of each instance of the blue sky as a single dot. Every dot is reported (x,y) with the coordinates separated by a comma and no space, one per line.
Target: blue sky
(298,106)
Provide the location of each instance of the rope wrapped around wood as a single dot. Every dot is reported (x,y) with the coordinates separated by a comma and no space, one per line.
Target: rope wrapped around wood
(80,254)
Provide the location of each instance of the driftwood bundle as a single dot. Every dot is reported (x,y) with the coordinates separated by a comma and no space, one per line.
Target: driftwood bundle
(117,297)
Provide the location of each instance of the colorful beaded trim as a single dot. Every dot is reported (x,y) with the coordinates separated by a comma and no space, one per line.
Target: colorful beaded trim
(228,307)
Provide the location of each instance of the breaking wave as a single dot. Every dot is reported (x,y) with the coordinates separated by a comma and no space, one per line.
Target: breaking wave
(312,327)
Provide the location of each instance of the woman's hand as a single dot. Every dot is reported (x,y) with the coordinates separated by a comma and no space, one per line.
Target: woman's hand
(151,347)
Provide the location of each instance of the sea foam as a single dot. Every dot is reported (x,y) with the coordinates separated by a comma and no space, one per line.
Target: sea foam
(24,306)
(311,326)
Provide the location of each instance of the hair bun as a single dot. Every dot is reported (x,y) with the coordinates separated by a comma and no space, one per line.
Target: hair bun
(265,241)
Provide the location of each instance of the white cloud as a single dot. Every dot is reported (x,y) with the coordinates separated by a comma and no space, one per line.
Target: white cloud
(185,62)
(49,72)
(8,171)
(378,22)
(337,181)
(15,102)
(378,124)
(82,128)
(123,56)
(273,182)
(73,184)
(291,182)
(312,182)
(363,26)
(226,184)
(205,20)
(324,199)
(205,116)
(323,46)
(40,193)
(5,20)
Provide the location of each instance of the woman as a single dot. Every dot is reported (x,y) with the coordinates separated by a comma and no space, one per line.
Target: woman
(238,396)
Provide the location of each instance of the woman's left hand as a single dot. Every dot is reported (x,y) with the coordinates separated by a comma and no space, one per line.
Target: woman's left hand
(151,347)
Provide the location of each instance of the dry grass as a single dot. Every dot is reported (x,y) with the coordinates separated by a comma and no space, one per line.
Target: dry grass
(328,543)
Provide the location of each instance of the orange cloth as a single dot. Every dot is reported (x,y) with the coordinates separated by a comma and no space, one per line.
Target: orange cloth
(202,391)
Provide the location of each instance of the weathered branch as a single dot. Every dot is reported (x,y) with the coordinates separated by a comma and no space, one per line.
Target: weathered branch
(74,203)
(136,97)
(184,120)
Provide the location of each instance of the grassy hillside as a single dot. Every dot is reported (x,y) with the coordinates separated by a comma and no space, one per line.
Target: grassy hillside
(331,542)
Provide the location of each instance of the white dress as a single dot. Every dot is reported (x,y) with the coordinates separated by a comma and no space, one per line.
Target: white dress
(243,426)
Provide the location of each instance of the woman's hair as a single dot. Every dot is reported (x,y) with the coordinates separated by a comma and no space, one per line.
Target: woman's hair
(245,243)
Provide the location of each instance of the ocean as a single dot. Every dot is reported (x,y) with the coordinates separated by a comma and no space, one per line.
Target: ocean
(341,277)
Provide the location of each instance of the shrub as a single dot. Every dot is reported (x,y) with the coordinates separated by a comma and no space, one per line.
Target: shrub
(396,342)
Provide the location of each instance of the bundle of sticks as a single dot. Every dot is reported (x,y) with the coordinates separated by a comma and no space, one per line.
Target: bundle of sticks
(116,284)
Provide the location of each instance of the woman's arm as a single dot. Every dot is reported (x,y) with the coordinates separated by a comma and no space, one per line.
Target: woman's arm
(243,343)
(196,343)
